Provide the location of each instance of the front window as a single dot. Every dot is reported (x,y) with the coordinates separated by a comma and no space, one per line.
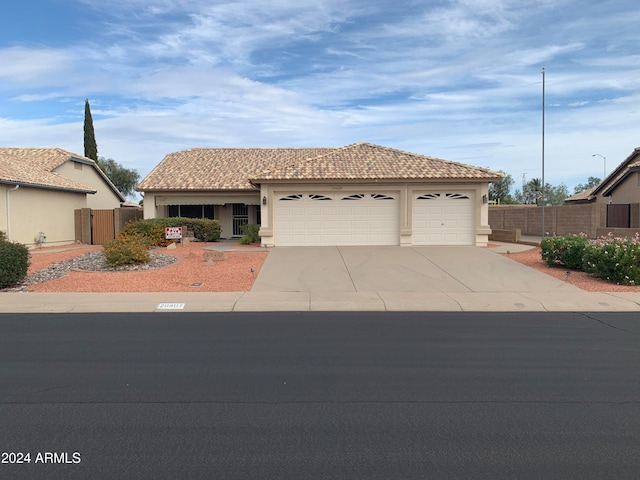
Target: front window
(191,211)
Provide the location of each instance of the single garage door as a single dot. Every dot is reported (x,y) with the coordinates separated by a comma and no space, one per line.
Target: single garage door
(330,218)
(443,218)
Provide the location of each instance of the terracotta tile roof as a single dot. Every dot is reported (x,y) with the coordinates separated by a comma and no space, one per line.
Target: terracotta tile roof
(585,196)
(364,161)
(34,167)
(219,168)
(233,168)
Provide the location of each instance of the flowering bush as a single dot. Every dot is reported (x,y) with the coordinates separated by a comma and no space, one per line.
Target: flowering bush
(564,251)
(127,249)
(614,259)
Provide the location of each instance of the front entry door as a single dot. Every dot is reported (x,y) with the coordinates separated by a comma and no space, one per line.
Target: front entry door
(240,217)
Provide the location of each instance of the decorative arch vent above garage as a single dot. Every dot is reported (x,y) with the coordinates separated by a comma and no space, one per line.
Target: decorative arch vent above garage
(327,218)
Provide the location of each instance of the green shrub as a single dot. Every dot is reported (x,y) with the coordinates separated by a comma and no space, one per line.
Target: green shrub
(203,229)
(250,234)
(128,249)
(614,259)
(152,229)
(14,262)
(566,251)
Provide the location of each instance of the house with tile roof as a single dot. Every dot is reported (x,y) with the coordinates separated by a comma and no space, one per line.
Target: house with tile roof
(360,194)
(40,188)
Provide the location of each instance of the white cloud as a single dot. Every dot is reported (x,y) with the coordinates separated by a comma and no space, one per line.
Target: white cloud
(32,67)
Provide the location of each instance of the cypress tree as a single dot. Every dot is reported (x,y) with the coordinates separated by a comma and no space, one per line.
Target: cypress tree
(90,145)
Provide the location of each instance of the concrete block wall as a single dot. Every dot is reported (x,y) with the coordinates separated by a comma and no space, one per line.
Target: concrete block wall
(124,215)
(558,220)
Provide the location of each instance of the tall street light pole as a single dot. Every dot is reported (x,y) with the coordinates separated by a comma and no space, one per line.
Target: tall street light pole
(605,163)
(542,186)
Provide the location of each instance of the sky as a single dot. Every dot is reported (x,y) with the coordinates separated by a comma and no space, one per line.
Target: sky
(459,80)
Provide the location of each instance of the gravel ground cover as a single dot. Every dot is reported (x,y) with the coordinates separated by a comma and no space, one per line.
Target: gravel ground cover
(184,268)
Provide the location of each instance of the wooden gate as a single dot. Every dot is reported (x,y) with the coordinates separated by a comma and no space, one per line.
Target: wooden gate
(619,216)
(102,227)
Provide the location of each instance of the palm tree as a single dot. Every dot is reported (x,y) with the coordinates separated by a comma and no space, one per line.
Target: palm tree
(535,189)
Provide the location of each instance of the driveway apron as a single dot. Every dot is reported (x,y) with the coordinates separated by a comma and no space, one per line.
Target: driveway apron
(397,269)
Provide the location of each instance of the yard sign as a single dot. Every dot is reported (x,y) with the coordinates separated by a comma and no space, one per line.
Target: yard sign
(172,233)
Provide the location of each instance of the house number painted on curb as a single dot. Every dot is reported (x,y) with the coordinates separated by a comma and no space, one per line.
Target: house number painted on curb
(170,306)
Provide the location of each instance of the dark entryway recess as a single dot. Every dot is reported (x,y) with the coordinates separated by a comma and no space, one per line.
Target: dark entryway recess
(619,215)
(240,218)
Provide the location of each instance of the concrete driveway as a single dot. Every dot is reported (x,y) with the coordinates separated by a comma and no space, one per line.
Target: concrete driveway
(397,269)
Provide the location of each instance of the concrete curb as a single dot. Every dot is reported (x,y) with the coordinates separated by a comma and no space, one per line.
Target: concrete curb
(557,301)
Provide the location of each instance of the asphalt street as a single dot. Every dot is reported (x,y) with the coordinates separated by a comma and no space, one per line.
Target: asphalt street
(320,395)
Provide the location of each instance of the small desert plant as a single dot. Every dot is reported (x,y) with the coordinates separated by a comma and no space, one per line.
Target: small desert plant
(250,234)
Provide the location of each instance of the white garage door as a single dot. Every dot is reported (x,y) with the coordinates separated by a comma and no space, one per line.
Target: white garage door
(443,218)
(329,218)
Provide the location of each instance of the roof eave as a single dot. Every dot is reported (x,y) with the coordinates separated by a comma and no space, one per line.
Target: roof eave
(377,180)
(604,185)
(46,187)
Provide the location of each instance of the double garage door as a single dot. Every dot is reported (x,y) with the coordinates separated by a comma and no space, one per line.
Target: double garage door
(330,218)
(371,218)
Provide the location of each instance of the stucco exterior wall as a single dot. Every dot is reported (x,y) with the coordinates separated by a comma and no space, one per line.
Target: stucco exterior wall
(104,198)
(628,191)
(33,210)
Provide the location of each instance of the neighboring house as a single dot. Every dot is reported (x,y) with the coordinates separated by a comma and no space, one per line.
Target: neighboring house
(622,185)
(361,194)
(620,191)
(40,188)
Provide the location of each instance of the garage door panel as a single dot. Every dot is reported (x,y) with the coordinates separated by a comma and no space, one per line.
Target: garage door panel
(327,219)
(443,218)
(297,210)
(329,224)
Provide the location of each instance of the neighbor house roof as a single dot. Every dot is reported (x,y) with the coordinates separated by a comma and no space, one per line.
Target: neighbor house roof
(585,196)
(365,161)
(237,168)
(35,167)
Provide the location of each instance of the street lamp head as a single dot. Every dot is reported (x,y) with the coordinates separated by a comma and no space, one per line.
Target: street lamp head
(605,163)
